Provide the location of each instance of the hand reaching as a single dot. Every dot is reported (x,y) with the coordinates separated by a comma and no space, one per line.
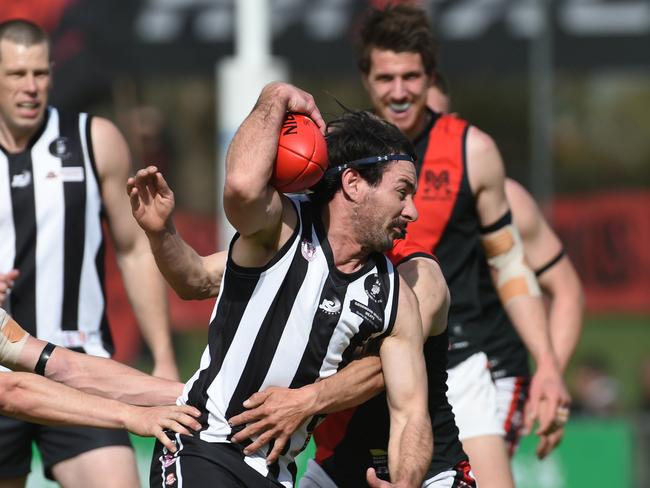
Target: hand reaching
(152,201)
(274,414)
(152,421)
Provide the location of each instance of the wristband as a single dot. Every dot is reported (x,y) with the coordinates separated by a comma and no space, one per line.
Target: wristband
(43,358)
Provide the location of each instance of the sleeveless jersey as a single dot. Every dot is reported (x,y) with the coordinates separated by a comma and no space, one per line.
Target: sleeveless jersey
(51,226)
(290,323)
(448,226)
(351,441)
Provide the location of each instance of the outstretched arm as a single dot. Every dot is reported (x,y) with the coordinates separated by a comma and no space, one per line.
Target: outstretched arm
(555,272)
(559,282)
(104,377)
(36,399)
(144,284)
(513,278)
(192,277)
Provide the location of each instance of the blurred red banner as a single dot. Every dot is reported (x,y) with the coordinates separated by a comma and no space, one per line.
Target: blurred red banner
(607,236)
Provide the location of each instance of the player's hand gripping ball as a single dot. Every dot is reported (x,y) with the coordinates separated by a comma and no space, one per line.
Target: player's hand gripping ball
(302,155)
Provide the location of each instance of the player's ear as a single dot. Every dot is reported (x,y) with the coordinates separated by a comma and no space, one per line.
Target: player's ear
(350,184)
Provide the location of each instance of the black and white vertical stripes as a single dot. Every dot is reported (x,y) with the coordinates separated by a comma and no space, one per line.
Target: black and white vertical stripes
(51,230)
(286,324)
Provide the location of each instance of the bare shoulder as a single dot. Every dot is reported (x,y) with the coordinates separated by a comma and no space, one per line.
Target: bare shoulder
(484,163)
(109,147)
(479,142)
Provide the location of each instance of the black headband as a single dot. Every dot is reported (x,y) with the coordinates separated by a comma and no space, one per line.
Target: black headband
(370,160)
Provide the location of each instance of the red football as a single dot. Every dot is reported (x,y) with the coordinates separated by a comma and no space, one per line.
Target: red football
(302,155)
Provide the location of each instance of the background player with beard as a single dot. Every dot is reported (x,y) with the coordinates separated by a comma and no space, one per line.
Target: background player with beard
(294,254)
(561,285)
(60,175)
(469,210)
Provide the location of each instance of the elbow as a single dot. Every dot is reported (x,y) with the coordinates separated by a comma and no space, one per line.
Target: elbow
(240,189)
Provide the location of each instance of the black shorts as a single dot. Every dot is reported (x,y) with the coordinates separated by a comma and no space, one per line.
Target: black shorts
(56,444)
(200,464)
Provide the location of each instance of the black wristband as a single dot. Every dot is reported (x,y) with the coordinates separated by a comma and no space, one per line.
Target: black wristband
(43,358)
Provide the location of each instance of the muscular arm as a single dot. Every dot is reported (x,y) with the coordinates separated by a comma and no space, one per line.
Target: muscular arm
(262,216)
(560,283)
(192,277)
(36,399)
(91,374)
(144,284)
(410,446)
(525,309)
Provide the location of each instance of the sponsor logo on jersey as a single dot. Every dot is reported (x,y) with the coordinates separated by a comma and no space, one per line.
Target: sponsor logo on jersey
(60,147)
(170,479)
(22,180)
(331,307)
(308,250)
(367,314)
(72,173)
(373,288)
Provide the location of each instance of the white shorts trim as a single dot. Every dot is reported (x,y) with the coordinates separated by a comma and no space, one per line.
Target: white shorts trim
(473,398)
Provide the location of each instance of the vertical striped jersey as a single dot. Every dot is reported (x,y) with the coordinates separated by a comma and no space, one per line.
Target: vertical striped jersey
(50,228)
(290,323)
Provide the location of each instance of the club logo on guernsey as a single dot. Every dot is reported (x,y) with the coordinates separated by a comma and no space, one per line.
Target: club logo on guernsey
(331,307)
(373,288)
(437,183)
(60,147)
(308,250)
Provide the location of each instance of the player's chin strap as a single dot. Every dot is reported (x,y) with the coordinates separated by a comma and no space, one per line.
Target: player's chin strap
(505,253)
(12,340)
(370,160)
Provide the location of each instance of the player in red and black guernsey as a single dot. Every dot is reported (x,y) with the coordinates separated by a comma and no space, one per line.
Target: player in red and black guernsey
(507,355)
(303,287)
(463,207)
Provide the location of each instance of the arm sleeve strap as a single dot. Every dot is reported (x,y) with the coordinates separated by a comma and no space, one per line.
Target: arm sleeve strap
(505,253)
(12,340)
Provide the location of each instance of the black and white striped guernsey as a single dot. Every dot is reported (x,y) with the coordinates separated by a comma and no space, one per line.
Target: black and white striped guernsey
(51,231)
(294,321)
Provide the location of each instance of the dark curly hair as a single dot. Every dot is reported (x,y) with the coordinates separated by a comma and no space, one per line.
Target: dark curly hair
(359,134)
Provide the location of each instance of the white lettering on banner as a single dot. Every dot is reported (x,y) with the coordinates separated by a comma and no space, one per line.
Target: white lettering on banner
(162,21)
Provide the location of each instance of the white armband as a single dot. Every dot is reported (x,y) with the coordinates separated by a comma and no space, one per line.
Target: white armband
(505,252)
(12,340)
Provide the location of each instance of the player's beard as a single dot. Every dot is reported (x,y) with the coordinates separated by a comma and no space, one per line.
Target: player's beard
(375,233)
